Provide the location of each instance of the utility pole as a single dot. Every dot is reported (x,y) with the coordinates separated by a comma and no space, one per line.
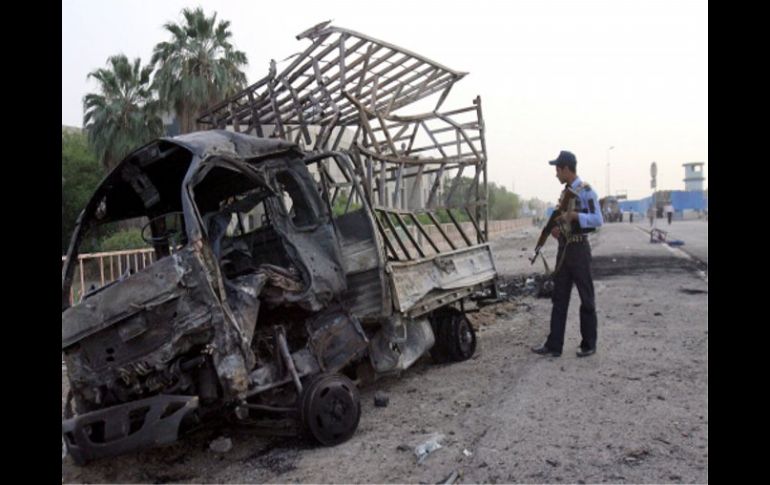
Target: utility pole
(607,193)
(653,186)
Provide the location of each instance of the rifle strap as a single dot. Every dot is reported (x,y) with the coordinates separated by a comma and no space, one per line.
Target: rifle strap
(547,269)
(561,260)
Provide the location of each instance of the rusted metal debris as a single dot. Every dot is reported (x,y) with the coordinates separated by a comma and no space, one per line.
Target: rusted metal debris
(343,92)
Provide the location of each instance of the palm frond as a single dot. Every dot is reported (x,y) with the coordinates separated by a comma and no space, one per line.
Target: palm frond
(197,64)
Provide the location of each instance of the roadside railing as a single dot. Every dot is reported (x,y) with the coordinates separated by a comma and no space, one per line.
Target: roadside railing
(95,270)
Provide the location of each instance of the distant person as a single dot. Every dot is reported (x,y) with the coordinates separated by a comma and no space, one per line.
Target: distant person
(575,267)
(630,217)
(669,212)
(651,215)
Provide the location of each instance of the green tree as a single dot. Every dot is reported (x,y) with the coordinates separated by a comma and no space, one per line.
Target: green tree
(122,240)
(198,67)
(338,209)
(81,174)
(125,115)
(502,204)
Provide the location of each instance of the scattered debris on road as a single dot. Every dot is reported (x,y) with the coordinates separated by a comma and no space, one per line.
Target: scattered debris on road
(381,399)
(221,445)
(424,449)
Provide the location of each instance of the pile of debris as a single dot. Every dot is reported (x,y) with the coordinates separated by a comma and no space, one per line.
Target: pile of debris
(536,284)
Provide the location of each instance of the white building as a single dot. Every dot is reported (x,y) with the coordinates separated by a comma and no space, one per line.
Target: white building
(693,176)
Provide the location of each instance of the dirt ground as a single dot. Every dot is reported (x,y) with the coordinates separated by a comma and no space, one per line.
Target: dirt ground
(635,412)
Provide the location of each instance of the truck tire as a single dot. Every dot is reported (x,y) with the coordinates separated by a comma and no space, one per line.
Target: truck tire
(330,408)
(455,336)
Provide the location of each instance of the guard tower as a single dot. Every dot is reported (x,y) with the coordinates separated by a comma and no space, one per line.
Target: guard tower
(693,176)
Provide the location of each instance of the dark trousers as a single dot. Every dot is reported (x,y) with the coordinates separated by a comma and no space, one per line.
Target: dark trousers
(669,217)
(576,269)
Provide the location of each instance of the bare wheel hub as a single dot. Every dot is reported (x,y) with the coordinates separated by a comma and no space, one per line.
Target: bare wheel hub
(330,408)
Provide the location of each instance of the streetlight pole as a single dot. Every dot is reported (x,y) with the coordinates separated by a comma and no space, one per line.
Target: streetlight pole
(653,186)
(607,193)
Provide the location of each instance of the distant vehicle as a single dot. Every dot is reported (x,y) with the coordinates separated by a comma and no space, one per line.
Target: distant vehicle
(611,209)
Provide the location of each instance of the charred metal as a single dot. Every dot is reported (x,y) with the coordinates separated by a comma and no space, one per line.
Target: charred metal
(288,262)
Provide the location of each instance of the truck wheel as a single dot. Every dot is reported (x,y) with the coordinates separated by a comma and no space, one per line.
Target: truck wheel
(439,352)
(330,408)
(455,337)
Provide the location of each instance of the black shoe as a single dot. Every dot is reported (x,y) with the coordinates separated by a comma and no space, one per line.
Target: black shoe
(586,352)
(543,350)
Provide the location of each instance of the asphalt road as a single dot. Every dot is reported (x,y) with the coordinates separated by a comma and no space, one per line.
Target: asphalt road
(694,234)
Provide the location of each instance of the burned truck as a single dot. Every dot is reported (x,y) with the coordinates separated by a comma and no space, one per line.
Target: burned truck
(299,249)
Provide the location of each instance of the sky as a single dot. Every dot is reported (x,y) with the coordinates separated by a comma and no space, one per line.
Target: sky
(576,75)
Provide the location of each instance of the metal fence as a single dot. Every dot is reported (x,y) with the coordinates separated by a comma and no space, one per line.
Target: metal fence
(95,270)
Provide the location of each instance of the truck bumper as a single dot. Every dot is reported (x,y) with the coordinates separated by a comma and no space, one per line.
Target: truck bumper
(126,427)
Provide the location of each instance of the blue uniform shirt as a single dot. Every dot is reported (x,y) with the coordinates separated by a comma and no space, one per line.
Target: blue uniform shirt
(589,212)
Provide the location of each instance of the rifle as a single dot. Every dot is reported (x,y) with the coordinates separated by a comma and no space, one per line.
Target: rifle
(566,204)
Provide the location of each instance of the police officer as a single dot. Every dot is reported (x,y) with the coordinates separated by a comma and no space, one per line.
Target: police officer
(575,267)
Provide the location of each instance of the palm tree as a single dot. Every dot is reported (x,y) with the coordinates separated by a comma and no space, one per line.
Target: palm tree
(125,115)
(198,67)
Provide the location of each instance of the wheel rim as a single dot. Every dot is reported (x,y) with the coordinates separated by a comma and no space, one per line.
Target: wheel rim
(466,339)
(331,409)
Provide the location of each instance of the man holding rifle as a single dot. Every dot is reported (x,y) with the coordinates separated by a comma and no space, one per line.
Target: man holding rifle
(578,214)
